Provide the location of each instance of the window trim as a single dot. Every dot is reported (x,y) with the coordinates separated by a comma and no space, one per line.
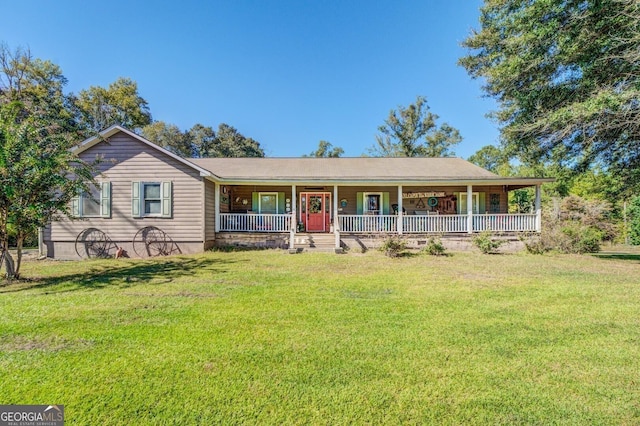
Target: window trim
(143,212)
(365,209)
(260,194)
(138,200)
(475,204)
(103,200)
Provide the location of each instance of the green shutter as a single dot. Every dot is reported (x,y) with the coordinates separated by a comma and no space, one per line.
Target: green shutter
(166,198)
(281,203)
(385,203)
(461,207)
(135,199)
(105,199)
(359,201)
(255,204)
(482,202)
(75,206)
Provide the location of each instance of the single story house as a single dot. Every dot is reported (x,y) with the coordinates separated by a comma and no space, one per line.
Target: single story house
(151,201)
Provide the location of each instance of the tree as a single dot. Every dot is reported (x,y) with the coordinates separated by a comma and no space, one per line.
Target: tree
(491,158)
(231,143)
(634,221)
(120,104)
(203,140)
(566,75)
(413,132)
(39,174)
(326,150)
(168,136)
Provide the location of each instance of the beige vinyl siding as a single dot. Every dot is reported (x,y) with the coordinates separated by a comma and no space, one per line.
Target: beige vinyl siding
(126,160)
(209,211)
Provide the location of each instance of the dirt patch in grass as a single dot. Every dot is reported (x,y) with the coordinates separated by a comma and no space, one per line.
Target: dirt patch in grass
(46,344)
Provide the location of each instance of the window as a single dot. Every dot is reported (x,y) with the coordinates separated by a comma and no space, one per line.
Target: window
(96,203)
(268,203)
(372,203)
(462,203)
(151,199)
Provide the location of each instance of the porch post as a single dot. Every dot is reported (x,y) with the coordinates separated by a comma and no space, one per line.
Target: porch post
(400,230)
(294,219)
(470,209)
(216,202)
(538,209)
(336,221)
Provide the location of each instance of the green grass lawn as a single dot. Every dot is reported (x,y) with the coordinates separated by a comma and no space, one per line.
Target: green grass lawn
(271,338)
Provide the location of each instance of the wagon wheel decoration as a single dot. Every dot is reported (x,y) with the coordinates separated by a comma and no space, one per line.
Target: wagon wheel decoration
(93,243)
(152,242)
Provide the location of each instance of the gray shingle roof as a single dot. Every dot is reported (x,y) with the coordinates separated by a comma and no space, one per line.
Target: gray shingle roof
(358,169)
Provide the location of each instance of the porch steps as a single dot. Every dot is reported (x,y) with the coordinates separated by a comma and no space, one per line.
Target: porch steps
(315,242)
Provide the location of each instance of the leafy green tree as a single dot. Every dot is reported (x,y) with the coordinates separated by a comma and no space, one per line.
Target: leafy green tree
(633,218)
(168,136)
(413,132)
(231,143)
(120,103)
(566,76)
(203,140)
(326,150)
(39,174)
(491,158)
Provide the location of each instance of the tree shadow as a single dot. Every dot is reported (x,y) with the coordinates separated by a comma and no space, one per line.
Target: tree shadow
(123,275)
(618,256)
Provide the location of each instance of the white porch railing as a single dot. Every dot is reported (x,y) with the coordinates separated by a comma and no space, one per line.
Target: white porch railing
(439,223)
(455,223)
(504,222)
(242,222)
(368,224)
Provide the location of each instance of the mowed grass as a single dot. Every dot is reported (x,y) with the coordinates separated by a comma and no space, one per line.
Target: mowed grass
(266,337)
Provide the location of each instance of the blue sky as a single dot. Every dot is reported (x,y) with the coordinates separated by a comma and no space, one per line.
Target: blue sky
(286,73)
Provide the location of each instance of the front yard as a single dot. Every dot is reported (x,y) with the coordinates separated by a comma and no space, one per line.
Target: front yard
(270,338)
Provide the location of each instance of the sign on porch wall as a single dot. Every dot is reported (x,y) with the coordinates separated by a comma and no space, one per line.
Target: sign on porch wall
(422,194)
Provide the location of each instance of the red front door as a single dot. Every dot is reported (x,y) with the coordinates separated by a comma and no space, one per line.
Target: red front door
(315,211)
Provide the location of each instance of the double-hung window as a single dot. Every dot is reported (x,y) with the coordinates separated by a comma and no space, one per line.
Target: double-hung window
(94,203)
(153,199)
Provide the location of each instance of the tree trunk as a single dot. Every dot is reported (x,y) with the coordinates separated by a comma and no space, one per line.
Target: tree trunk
(19,243)
(8,264)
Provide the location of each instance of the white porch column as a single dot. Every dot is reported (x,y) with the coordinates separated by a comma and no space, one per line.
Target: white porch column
(538,209)
(336,221)
(400,210)
(216,202)
(294,218)
(470,209)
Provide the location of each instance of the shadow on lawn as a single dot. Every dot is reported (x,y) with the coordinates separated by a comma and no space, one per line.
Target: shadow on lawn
(133,273)
(618,256)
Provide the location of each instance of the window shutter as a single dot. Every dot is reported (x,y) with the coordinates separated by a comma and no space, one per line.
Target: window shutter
(135,199)
(255,204)
(75,206)
(166,199)
(359,201)
(281,202)
(482,201)
(105,199)
(385,203)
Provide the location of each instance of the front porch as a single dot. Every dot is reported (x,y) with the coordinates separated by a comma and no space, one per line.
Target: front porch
(280,213)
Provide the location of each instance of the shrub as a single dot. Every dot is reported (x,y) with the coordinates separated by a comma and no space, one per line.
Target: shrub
(634,221)
(486,243)
(434,247)
(393,246)
(534,244)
